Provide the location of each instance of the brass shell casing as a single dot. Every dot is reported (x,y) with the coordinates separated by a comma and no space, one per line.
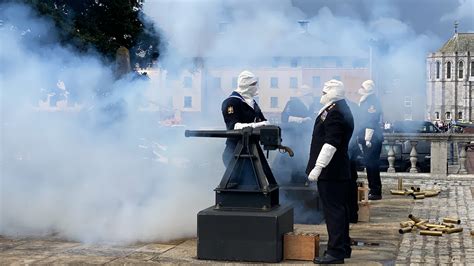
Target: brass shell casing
(448,225)
(414,218)
(435,225)
(418,193)
(451,220)
(421,226)
(454,230)
(407,223)
(418,196)
(404,230)
(397,192)
(430,233)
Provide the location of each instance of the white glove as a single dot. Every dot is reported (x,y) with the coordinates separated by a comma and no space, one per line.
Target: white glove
(299,120)
(314,174)
(324,157)
(368,144)
(253,125)
(260,124)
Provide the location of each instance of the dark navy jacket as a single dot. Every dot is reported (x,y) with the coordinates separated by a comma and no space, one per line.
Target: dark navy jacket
(333,126)
(236,110)
(370,115)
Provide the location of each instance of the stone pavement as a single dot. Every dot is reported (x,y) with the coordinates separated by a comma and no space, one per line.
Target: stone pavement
(456,199)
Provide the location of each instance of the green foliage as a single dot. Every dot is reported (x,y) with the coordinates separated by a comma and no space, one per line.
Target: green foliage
(104,25)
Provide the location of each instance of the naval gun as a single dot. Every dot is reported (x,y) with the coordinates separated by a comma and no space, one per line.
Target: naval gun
(248,154)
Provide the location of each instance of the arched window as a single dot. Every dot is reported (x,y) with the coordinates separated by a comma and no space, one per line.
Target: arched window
(460,115)
(461,70)
(448,115)
(437,69)
(448,70)
(437,115)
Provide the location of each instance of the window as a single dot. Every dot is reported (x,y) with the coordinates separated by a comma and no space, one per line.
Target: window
(316,82)
(273,102)
(188,82)
(437,115)
(448,70)
(448,115)
(461,70)
(408,101)
(293,83)
(273,82)
(234,82)
(472,68)
(216,83)
(460,115)
(188,101)
(337,78)
(408,117)
(294,62)
(437,69)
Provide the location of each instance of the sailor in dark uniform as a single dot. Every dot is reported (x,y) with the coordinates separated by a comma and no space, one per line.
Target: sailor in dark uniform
(297,120)
(329,165)
(240,110)
(354,152)
(371,136)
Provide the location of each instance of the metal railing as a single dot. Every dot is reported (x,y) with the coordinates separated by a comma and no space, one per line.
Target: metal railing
(440,142)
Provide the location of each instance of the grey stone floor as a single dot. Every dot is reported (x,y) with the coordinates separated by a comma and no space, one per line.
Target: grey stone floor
(456,199)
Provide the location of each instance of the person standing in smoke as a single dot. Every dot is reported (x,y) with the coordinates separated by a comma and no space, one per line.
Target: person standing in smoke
(329,165)
(354,152)
(240,110)
(296,121)
(370,136)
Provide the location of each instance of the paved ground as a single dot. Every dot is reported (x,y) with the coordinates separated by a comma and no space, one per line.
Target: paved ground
(456,199)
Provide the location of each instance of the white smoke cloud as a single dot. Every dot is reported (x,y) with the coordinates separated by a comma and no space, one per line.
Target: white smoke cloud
(106,173)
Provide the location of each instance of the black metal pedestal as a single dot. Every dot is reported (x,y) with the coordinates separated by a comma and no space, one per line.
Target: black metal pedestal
(243,235)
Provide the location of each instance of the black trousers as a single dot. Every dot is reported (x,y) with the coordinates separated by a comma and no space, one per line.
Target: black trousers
(353,191)
(334,197)
(372,164)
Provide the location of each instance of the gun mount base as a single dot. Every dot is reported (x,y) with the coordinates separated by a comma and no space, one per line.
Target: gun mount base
(243,235)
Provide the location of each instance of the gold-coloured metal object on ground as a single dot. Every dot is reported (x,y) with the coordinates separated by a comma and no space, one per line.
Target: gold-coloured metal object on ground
(400,183)
(438,229)
(451,220)
(416,193)
(435,225)
(397,192)
(418,196)
(408,191)
(431,193)
(421,226)
(416,189)
(407,223)
(448,225)
(454,230)
(404,230)
(431,233)
(414,218)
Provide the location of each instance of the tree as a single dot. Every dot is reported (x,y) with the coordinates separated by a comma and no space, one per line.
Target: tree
(104,25)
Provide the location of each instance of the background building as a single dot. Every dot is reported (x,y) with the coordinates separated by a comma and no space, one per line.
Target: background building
(450,76)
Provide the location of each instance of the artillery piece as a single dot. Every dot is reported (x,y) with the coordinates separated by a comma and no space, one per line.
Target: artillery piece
(265,195)
(246,223)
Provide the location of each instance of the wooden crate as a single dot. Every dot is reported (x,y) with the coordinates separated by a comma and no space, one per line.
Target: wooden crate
(364,211)
(300,246)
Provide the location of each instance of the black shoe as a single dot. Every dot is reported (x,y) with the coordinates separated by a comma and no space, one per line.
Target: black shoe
(328,259)
(375,197)
(346,256)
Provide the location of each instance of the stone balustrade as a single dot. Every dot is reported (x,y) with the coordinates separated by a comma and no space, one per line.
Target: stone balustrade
(438,151)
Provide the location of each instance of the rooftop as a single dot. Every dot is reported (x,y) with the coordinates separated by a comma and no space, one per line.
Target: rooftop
(460,42)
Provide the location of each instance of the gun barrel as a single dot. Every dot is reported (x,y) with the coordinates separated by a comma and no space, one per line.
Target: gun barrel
(214,133)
